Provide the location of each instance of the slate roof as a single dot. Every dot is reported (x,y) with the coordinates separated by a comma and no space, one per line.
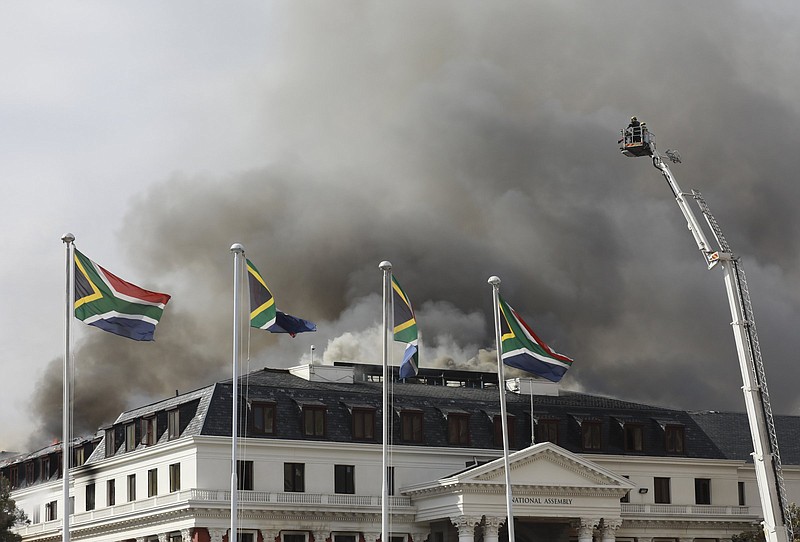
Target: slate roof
(731,432)
(207,411)
(289,392)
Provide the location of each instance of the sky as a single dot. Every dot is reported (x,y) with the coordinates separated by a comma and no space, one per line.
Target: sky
(457,139)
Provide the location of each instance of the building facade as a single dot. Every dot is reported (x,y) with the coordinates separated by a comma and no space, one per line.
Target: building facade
(582,467)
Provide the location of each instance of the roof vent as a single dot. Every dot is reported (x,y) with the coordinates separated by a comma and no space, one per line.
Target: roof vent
(323,373)
(532,386)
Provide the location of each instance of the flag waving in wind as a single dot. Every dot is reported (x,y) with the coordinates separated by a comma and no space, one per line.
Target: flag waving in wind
(405,330)
(524,350)
(106,301)
(263,312)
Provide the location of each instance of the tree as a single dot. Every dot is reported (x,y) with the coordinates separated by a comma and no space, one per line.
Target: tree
(10,515)
(757,535)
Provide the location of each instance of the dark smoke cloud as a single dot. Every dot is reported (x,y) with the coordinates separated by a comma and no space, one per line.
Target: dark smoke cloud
(461,140)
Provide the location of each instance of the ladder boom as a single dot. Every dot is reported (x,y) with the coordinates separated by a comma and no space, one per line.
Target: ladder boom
(766,455)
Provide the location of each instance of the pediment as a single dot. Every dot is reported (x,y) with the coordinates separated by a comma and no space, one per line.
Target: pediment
(544,464)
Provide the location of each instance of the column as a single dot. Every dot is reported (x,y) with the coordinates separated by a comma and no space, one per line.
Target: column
(163,537)
(491,526)
(609,529)
(686,539)
(140,538)
(466,527)
(186,535)
(419,536)
(586,528)
(644,539)
(216,534)
(371,536)
(269,535)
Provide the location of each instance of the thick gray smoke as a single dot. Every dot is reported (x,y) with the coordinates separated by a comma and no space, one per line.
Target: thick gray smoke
(461,140)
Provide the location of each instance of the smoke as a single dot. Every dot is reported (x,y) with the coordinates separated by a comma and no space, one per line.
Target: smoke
(461,140)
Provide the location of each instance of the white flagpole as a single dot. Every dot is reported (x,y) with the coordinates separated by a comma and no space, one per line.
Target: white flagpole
(501,384)
(68,240)
(238,253)
(386,266)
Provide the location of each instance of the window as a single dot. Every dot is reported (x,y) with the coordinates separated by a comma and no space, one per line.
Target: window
(411,426)
(111,492)
(363,424)
(78,456)
(263,419)
(661,491)
(51,511)
(149,430)
(590,435)
(131,487)
(246,537)
(173,424)
(244,473)
(674,438)
(458,429)
(294,477)
(634,437)
(345,538)
(30,473)
(13,477)
(36,516)
(344,479)
(45,468)
(547,431)
(293,537)
(174,477)
(390,481)
(742,501)
(130,437)
(111,445)
(89,497)
(152,482)
(313,421)
(498,431)
(702,491)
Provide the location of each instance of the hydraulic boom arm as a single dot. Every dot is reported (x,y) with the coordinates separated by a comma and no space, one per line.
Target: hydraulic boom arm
(638,141)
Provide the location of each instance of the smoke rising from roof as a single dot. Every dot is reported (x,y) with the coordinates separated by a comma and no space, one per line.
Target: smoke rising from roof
(463,140)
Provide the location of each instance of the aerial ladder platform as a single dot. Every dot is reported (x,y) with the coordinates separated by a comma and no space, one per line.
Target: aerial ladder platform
(637,140)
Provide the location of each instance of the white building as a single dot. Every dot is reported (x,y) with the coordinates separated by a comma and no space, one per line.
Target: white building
(310,465)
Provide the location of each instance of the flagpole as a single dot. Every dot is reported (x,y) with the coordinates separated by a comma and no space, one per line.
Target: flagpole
(533,420)
(68,239)
(238,254)
(501,384)
(386,266)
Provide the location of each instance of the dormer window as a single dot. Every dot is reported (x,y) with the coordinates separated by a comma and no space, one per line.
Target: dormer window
(411,426)
(149,430)
(363,424)
(263,419)
(458,428)
(591,435)
(314,420)
(111,445)
(634,437)
(173,424)
(547,431)
(674,439)
(497,427)
(78,456)
(130,437)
